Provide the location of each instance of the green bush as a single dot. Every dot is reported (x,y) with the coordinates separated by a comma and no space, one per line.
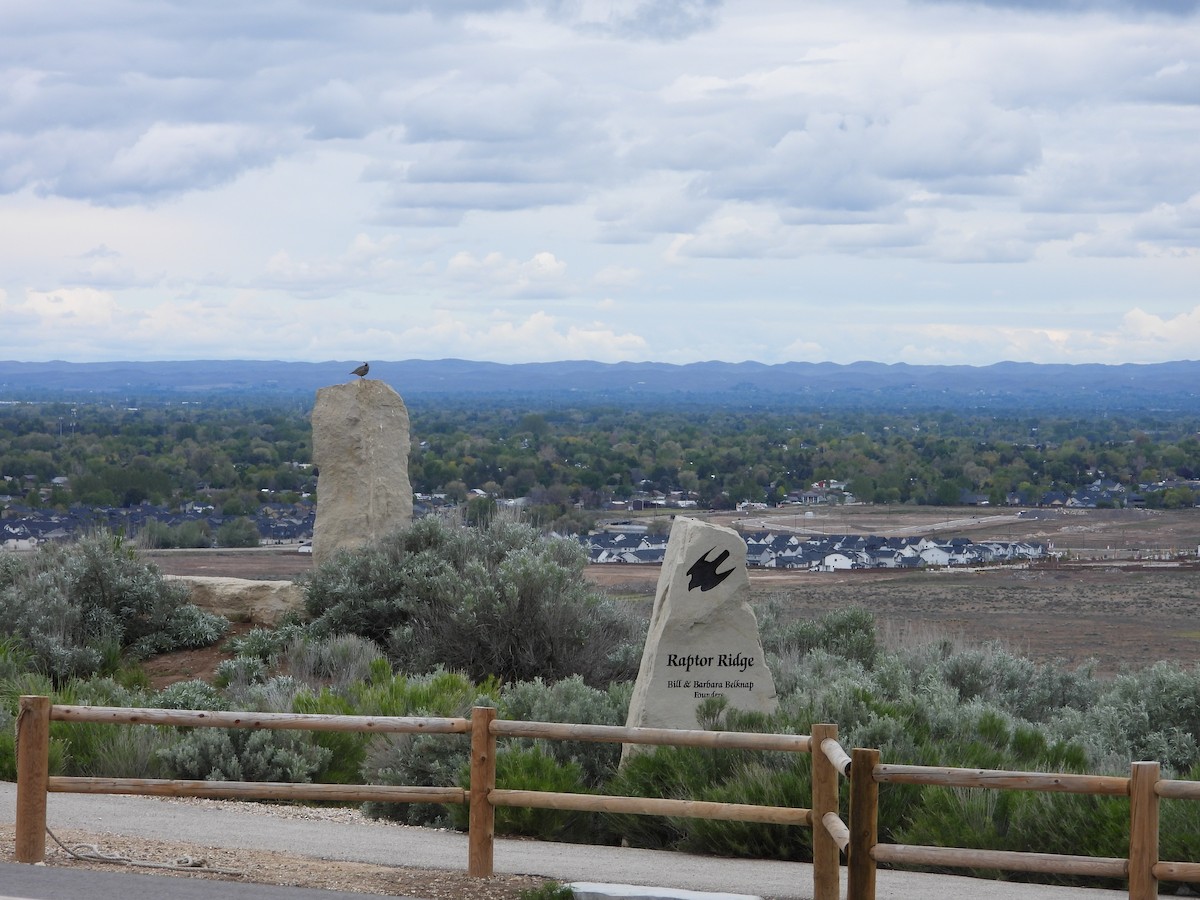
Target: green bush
(532,769)
(105,750)
(77,608)
(1022,821)
(433,760)
(347,749)
(570,700)
(156,535)
(1150,714)
(1018,685)
(241,532)
(1179,827)
(57,750)
(438,693)
(8,746)
(419,759)
(83,748)
(499,600)
(848,633)
(721,775)
(675,773)
(770,781)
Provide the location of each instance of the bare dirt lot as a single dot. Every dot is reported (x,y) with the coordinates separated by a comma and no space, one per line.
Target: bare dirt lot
(1126,593)
(1118,615)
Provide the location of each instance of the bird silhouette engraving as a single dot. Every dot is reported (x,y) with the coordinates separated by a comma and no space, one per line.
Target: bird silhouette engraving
(704,575)
(362,370)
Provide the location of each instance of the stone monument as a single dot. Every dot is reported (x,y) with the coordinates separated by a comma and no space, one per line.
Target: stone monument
(703,638)
(360,449)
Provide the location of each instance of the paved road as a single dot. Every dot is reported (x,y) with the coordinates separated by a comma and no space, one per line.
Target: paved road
(247,826)
(18,882)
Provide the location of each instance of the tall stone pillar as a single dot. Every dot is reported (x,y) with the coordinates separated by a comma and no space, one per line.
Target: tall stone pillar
(360,449)
(703,638)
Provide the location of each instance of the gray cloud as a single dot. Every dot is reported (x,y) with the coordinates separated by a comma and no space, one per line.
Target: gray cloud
(663,20)
(1173,7)
(712,149)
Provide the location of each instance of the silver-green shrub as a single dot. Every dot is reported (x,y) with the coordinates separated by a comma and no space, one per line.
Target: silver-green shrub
(76,608)
(570,700)
(337,661)
(1150,714)
(217,754)
(266,645)
(189,695)
(497,600)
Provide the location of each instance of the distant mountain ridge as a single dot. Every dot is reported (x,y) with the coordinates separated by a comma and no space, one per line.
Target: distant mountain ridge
(1159,386)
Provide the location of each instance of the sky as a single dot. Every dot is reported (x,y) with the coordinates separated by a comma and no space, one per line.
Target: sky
(920,181)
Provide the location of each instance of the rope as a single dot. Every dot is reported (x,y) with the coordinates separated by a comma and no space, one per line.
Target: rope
(92,853)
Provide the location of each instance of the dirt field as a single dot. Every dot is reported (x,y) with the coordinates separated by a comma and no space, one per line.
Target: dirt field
(1119,615)
(1113,599)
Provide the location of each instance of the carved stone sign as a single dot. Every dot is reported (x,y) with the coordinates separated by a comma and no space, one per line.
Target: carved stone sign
(703,638)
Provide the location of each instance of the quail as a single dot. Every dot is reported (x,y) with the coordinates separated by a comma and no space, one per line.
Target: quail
(362,370)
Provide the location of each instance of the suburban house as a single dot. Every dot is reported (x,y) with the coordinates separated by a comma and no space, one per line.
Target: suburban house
(823,553)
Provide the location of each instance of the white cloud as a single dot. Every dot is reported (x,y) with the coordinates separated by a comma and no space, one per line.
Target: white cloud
(539,337)
(365,264)
(542,275)
(65,323)
(66,308)
(1178,335)
(617,276)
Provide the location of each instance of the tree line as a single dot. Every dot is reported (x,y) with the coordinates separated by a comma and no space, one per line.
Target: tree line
(566,458)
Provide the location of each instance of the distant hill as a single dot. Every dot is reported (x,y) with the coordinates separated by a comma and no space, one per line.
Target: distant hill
(1161,387)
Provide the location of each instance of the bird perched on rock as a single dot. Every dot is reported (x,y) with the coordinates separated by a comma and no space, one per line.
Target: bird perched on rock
(362,370)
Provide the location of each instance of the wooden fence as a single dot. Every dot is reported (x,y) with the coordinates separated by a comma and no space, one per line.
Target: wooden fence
(859,840)
(832,836)
(34,781)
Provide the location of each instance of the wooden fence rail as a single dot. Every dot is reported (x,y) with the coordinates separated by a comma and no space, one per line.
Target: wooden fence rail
(859,840)
(832,836)
(482,797)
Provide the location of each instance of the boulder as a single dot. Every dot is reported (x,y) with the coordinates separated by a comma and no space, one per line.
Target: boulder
(360,448)
(242,599)
(703,636)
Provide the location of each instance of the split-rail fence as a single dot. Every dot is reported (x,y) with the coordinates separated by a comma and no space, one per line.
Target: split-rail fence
(832,835)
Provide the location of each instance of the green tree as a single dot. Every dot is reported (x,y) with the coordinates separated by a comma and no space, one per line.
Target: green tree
(240,532)
(480,511)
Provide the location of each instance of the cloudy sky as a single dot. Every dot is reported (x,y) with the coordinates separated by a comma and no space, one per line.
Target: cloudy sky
(921,181)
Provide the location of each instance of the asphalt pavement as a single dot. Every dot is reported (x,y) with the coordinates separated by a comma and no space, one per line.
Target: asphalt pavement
(21,882)
(247,826)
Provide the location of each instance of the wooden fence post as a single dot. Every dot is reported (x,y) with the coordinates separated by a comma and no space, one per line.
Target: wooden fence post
(481,830)
(1143,831)
(864,825)
(33,768)
(826,856)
